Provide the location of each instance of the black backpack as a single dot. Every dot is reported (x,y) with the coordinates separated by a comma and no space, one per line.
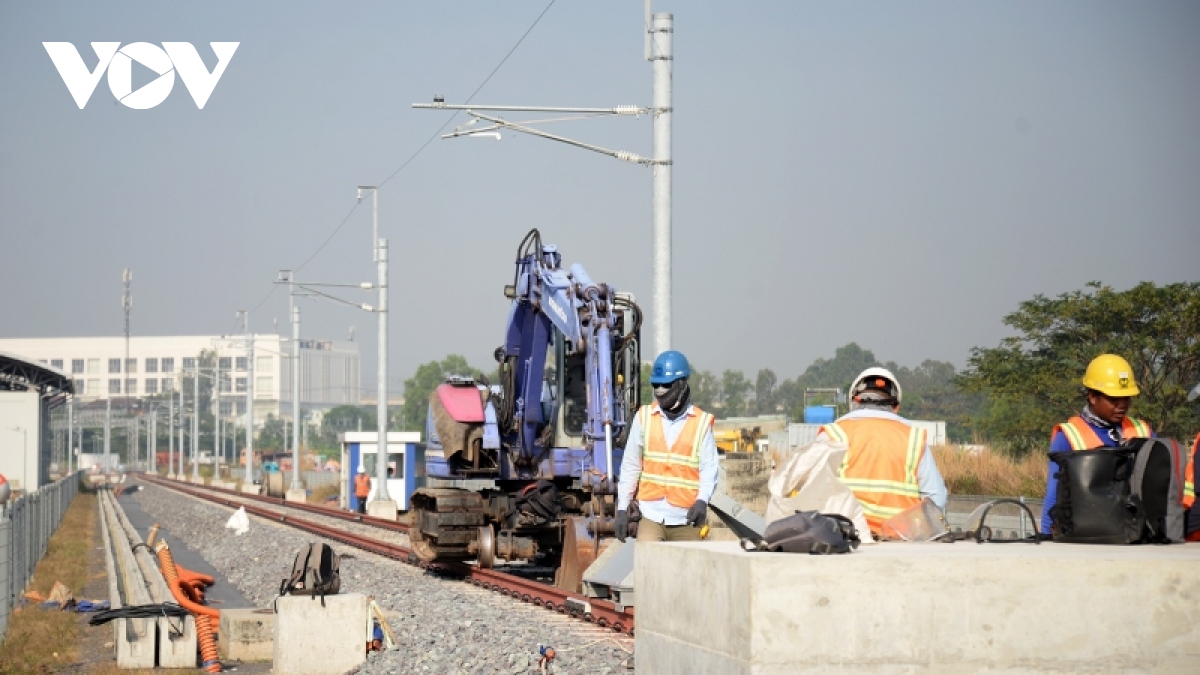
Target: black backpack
(314,572)
(807,532)
(1128,494)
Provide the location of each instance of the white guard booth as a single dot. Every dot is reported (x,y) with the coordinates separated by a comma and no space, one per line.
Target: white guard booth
(406,459)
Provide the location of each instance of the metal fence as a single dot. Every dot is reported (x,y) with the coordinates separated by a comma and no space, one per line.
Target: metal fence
(1007,522)
(25,530)
(316,479)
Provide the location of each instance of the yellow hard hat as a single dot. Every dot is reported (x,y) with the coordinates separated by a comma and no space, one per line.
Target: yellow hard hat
(1111,375)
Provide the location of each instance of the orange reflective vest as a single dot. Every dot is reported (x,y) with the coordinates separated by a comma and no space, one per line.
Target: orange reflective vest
(1081,436)
(1189,479)
(362,485)
(671,473)
(880,466)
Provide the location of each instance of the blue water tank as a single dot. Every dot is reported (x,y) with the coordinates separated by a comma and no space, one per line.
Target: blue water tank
(818,414)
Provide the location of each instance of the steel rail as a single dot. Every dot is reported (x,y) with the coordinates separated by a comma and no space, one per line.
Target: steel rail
(603,613)
(299,506)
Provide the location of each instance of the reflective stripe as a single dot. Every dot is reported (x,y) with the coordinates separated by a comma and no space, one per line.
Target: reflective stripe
(672,481)
(1081,436)
(1139,428)
(880,471)
(671,473)
(835,432)
(1075,436)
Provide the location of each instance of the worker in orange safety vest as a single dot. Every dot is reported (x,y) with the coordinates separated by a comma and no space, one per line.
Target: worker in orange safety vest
(888,464)
(1109,387)
(670,462)
(362,488)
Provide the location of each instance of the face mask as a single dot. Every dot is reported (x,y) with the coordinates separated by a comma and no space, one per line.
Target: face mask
(674,397)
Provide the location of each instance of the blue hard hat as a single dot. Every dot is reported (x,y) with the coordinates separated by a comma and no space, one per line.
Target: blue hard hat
(668,367)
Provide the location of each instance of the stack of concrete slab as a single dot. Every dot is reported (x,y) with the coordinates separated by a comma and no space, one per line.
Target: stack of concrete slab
(134,579)
(900,607)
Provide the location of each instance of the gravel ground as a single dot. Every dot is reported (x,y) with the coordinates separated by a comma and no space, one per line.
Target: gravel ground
(443,626)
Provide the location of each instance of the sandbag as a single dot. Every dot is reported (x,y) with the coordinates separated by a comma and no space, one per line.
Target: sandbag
(807,481)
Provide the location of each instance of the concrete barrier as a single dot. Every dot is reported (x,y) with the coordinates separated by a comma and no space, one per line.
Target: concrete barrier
(899,608)
(247,635)
(311,639)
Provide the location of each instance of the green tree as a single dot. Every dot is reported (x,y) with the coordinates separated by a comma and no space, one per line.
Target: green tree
(734,388)
(764,392)
(427,378)
(706,390)
(1032,379)
(647,388)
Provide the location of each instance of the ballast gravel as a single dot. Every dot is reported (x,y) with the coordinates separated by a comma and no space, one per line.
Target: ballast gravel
(441,625)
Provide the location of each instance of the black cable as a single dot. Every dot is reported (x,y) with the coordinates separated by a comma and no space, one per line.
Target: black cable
(138,612)
(471,97)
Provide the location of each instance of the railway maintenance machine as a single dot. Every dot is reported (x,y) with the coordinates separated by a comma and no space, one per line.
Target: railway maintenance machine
(548,435)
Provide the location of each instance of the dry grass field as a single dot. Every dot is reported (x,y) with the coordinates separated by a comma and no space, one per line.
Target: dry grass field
(38,640)
(991,473)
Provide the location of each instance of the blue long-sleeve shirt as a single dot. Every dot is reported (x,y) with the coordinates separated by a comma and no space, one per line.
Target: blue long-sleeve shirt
(661,511)
(1060,444)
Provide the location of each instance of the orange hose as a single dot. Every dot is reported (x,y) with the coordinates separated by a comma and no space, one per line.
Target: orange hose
(209,661)
(181,590)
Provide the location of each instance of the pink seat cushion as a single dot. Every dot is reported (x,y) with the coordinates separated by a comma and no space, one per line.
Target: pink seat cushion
(463,403)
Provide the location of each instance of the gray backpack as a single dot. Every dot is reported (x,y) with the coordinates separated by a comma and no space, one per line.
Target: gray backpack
(315,571)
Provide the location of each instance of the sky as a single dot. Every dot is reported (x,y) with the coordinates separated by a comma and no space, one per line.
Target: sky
(900,175)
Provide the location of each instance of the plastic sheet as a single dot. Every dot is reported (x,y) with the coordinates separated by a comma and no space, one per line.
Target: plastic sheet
(239,522)
(807,481)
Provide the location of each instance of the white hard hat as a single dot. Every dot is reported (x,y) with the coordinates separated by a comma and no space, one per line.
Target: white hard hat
(362,469)
(875,378)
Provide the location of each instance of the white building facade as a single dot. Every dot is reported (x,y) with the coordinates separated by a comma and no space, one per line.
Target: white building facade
(99,368)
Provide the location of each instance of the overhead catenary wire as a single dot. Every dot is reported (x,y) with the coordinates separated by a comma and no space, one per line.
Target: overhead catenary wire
(420,149)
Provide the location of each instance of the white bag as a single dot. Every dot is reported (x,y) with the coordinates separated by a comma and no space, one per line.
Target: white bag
(807,481)
(239,522)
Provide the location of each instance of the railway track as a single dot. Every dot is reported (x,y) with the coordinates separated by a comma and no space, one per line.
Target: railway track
(599,612)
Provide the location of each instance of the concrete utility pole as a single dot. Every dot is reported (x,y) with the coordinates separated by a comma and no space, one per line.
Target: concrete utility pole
(296,484)
(182,425)
(127,303)
(153,441)
(196,420)
(659,30)
(107,433)
(248,482)
(381,446)
(171,433)
(662,55)
(70,433)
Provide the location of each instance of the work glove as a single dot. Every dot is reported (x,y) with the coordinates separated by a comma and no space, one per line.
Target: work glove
(621,525)
(698,513)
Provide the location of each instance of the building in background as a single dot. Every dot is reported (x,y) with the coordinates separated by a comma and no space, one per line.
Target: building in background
(28,392)
(98,369)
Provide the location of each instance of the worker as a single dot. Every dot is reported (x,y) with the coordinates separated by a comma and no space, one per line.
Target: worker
(1192,519)
(1104,422)
(670,463)
(888,464)
(362,488)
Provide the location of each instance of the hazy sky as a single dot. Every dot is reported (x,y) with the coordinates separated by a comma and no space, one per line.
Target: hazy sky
(896,174)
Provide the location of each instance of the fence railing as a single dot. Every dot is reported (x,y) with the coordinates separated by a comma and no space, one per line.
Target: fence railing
(26,526)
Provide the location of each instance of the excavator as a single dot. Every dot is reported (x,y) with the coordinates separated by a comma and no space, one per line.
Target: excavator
(546,439)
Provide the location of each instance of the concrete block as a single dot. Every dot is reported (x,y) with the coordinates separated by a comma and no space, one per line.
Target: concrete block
(296,495)
(313,640)
(247,635)
(382,508)
(709,607)
(250,489)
